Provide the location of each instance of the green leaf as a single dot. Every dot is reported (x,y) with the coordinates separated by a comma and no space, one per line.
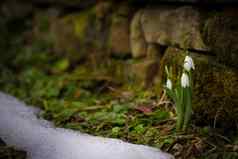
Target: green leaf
(188,107)
(140,129)
(78,104)
(61,65)
(120,108)
(116,131)
(159,115)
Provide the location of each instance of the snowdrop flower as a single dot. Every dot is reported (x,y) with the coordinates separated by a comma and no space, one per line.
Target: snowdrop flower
(188,63)
(169,84)
(185,80)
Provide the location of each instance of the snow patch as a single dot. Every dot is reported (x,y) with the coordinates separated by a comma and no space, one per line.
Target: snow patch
(20,127)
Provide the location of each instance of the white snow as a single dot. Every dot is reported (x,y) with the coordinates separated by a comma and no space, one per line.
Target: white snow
(20,127)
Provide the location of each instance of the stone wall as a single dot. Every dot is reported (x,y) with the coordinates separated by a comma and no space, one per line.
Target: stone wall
(135,42)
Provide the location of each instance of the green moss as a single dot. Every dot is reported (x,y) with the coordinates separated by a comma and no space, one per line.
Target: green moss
(80,21)
(220,33)
(69,39)
(44,23)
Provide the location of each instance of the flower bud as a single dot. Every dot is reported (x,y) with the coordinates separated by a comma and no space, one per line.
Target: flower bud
(169,84)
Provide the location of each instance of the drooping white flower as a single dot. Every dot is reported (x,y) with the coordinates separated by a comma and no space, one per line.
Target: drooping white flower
(188,63)
(187,66)
(184,80)
(169,84)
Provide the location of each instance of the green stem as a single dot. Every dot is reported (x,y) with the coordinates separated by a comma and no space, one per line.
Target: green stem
(180,110)
(188,108)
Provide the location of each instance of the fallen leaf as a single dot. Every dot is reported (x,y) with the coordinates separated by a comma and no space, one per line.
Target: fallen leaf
(144,109)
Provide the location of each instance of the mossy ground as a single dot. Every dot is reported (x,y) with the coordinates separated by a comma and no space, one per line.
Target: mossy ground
(80,98)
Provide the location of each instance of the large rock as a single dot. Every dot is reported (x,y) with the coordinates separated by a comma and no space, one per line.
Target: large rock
(88,32)
(137,39)
(174,26)
(97,29)
(14,9)
(221,32)
(187,27)
(119,37)
(215,93)
(66,3)
(72,36)
(169,26)
(144,72)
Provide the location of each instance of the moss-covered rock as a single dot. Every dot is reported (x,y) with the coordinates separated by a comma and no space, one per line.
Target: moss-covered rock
(221,32)
(137,39)
(66,3)
(70,39)
(215,94)
(119,37)
(14,9)
(135,73)
(41,33)
(144,72)
(71,36)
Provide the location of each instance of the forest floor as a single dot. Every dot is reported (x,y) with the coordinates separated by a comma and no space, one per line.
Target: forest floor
(73,99)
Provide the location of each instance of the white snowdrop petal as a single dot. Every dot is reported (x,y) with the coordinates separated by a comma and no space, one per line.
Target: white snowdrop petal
(184,80)
(187,66)
(188,62)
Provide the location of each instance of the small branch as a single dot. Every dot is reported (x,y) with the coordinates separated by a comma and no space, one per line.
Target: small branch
(231,148)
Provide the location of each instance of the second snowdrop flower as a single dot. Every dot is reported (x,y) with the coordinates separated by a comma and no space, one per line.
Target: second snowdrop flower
(184,80)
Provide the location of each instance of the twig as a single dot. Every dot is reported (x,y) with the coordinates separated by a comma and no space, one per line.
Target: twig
(91,108)
(165,121)
(183,137)
(162,97)
(163,101)
(214,147)
(231,148)
(223,137)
